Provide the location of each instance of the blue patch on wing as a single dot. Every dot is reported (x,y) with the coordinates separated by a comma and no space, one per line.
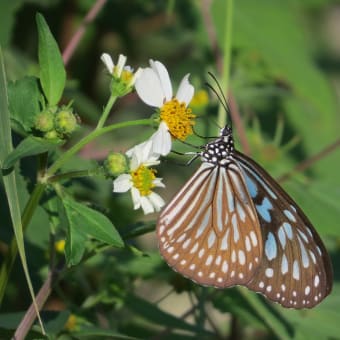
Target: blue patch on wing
(263,209)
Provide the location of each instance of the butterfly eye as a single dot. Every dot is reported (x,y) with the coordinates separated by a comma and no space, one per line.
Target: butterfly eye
(232,224)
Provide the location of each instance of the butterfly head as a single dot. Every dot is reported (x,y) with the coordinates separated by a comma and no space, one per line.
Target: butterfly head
(220,151)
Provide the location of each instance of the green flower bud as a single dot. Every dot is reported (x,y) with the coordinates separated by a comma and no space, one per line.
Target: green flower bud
(44,121)
(51,135)
(65,121)
(116,164)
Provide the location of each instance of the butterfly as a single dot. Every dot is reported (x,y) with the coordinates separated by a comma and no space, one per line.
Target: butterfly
(232,224)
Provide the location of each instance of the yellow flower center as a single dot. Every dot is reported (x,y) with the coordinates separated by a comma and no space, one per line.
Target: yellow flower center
(178,118)
(142,179)
(125,76)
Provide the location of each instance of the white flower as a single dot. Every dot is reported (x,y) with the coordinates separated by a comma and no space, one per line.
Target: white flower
(141,179)
(154,87)
(121,71)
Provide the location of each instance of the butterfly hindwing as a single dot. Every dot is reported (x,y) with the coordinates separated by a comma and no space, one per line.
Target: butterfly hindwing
(210,232)
(295,269)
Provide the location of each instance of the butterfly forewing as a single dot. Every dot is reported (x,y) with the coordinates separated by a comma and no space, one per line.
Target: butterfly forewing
(295,269)
(210,230)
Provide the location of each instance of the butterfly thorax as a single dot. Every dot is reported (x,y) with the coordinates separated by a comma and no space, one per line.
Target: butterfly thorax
(220,151)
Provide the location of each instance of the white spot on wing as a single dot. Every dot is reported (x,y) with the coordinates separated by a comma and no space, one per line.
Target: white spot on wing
(269,272)
(225,266)
(209,260)
(235,228)
(186,243)
(270,247)
(241,257)
(211,239)
(284,265)
(296,270)
(247,243)
(253,238)
(224,243)
(194,248)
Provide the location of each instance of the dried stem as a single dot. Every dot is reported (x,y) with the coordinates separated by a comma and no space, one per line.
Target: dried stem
(29,317)
(310,161)
(90,16)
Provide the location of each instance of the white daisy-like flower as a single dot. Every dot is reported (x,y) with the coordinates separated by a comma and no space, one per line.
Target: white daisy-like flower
(123,75)
(154,87)
(141,179)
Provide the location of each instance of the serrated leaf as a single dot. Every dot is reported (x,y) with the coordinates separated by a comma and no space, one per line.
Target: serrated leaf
(83,222)
(23,97)
(52,70)
(30,146)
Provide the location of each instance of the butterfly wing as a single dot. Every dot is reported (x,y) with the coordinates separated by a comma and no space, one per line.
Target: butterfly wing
(210,231)
(295,270)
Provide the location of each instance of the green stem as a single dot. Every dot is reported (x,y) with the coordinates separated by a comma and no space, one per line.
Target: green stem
(106,112)
(34,199)
(91,136)
(270,320)
(10,257)
(226,59)
(72,174)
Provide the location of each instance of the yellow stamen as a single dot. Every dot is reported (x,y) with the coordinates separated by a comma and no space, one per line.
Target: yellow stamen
(178,118)
(142,179)
(126,76)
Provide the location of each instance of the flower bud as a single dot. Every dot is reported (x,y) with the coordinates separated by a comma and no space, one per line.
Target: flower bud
(65,121)
(44,121)
(51,135)
(116,164)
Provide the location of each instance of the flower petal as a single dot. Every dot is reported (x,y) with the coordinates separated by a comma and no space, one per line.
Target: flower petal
(107,60)
(136,198)
(146,205)
(142,154)
(158,182)
(156,200)
(122,183)
(164,78)
(120,65)
(185,90)
(149,89)
(161,140)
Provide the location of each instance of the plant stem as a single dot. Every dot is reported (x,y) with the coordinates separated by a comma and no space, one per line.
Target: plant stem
(71,174)
(106,112)
(227,59)
(91,136)
(34,199)
(29,317)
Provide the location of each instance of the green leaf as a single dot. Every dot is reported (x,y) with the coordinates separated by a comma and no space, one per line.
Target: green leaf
(83,222)
(150,311)
(9,181)
(52,70)
(23,97)
(320,201)
(30,146)
(93,332)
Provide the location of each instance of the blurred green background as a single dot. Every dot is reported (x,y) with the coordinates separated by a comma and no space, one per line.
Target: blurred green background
(285,79)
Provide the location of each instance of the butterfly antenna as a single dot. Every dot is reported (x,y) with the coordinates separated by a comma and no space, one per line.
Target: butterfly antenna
(220,95)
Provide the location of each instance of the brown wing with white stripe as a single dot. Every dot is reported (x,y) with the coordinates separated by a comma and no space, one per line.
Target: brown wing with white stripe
(210,231)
